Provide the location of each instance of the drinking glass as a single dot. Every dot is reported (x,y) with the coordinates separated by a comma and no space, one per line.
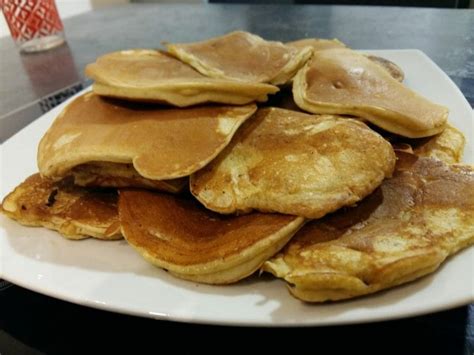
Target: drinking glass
(35,25)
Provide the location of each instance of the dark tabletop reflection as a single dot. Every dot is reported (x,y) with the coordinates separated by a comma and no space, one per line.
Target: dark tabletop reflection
(33,324)
(53,77)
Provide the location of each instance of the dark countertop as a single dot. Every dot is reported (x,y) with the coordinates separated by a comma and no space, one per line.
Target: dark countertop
(32,324)
(35,324)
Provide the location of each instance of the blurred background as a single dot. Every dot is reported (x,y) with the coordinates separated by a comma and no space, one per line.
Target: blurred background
(68,8)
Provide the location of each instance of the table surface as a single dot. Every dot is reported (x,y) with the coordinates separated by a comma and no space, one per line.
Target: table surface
(32,84)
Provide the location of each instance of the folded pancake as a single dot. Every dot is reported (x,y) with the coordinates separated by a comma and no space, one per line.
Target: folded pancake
(160,144)
(73,211)
(319,44)
(179,235)
(154,76)
(403,231)
(342,81)
(294,163)
(243,56)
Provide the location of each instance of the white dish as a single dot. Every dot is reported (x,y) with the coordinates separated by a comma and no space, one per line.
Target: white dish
(112,276)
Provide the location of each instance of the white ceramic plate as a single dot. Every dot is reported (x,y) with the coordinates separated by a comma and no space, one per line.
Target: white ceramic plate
(112,276)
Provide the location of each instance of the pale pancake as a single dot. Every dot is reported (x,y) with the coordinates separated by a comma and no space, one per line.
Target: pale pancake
(75,212)
(294,163)
(243,56)
(153,76)
(319,44)
(102,174)
(342,81)
(403,231)
(179,235)
(160,143)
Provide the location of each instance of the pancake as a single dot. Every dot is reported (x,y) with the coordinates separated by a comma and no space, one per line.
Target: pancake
(341,81)
(401,232)
(394,70)
(447,146)
(402,147)
(75,212)
(243,56)
(153,76)
(179,235)
(294,163)
(103,174)
(319,44)
(161,144)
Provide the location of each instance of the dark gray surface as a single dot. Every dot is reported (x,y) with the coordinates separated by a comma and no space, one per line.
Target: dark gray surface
(33,324)
(447,36)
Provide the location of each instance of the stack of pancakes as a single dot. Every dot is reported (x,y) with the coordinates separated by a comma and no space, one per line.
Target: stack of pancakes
(219,158)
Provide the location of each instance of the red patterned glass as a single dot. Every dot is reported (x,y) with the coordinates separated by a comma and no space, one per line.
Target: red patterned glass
(35,25)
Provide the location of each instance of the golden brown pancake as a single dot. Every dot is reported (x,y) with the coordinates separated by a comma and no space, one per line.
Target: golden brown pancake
(341,81)
(179,235)
(161,143)
(75,212)
(103,174)
(319,44)
(243,56)
(294,163)
(153,76)
(447,146)
(403,231)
